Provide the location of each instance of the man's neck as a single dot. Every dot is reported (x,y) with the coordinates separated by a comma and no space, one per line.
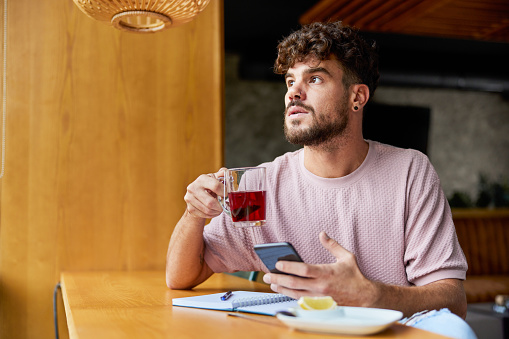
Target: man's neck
(336,159)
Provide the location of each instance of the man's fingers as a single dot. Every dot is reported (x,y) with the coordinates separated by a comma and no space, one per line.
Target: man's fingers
(211,184)
(295,294)
(298,268)
(291,286)
(201,197)
(333,246)
(197,209)
(291,281)
(220,173)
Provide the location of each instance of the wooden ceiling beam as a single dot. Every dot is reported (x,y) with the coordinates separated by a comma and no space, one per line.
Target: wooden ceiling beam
(472,19)
(411,14)
(392,10)
(495,31)
(349,12)
(378,7)
(477,5)
(322,10)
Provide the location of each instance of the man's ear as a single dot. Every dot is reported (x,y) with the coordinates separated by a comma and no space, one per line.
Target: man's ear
(360,96)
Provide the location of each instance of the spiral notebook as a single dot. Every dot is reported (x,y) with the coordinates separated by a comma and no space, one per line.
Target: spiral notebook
(241,301)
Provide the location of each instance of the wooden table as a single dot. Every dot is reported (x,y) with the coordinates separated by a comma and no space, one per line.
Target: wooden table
(138,305)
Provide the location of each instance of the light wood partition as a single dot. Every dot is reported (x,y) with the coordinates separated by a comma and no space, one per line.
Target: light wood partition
(105,129)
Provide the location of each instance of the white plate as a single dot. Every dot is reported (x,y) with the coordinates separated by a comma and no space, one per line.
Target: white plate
(356,320)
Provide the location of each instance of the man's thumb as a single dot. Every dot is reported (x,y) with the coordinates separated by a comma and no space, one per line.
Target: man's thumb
(332,245)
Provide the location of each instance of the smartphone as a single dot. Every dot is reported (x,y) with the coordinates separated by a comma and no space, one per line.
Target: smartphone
(271,253)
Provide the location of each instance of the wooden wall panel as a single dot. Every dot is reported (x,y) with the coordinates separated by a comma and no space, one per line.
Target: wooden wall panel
(105,129)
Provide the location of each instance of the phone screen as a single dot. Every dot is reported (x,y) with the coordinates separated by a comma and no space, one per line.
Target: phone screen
(270,254)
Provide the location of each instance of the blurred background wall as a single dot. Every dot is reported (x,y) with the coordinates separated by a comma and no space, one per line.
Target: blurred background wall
(468,132)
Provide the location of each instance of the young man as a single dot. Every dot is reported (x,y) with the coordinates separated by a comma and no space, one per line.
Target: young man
(369,220)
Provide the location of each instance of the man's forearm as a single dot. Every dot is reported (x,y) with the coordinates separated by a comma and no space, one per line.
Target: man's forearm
(447,293)
(185,264)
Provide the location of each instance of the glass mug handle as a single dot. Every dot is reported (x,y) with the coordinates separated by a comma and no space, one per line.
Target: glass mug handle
(225,202)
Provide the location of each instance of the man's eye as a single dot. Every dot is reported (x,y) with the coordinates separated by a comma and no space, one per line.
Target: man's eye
(289,83)
(315,80)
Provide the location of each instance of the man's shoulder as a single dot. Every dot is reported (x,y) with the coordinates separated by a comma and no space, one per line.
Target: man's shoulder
(397,154)
(283,161)
(410,162)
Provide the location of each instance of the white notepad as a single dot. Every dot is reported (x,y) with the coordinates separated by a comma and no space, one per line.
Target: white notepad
(241,301)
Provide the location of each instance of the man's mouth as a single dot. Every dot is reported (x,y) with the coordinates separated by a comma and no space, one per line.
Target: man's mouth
(297,108)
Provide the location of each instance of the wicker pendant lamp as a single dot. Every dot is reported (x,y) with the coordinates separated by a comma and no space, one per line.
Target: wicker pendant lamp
(142,16)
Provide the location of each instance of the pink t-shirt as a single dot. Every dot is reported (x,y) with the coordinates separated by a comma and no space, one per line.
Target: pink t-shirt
(391,213)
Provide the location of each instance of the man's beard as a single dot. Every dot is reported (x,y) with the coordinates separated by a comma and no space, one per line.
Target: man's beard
(322,129)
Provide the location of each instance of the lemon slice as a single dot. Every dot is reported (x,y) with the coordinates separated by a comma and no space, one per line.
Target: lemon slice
(317,303)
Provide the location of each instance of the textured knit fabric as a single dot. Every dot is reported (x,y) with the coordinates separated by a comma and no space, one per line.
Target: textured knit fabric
(391,213)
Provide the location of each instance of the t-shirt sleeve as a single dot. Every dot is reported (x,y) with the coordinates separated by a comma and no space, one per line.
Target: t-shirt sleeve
(229,248)
(432,250)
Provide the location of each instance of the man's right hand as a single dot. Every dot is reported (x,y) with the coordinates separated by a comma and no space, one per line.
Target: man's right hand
(201,195)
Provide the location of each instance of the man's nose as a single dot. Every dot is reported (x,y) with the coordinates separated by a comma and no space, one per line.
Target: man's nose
(296,92)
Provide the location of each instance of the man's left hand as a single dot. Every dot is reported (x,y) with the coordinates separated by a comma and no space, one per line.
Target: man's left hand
(342,280)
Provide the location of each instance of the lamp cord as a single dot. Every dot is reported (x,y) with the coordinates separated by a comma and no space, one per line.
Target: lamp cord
(55,314)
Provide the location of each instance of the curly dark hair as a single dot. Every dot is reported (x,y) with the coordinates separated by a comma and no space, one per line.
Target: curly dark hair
(323,40)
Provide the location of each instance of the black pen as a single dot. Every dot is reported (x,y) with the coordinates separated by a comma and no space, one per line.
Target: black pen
(226,295)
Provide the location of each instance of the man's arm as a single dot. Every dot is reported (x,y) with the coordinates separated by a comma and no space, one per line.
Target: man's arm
(185,264)
(446,293)
(345,282)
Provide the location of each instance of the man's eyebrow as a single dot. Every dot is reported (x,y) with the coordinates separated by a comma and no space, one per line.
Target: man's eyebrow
(317,70)
(311,70)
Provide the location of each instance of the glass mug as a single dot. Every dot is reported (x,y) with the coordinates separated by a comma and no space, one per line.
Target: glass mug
(244,195)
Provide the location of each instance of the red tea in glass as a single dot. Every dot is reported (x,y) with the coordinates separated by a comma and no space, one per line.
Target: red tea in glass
(247,206)
(244,196)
